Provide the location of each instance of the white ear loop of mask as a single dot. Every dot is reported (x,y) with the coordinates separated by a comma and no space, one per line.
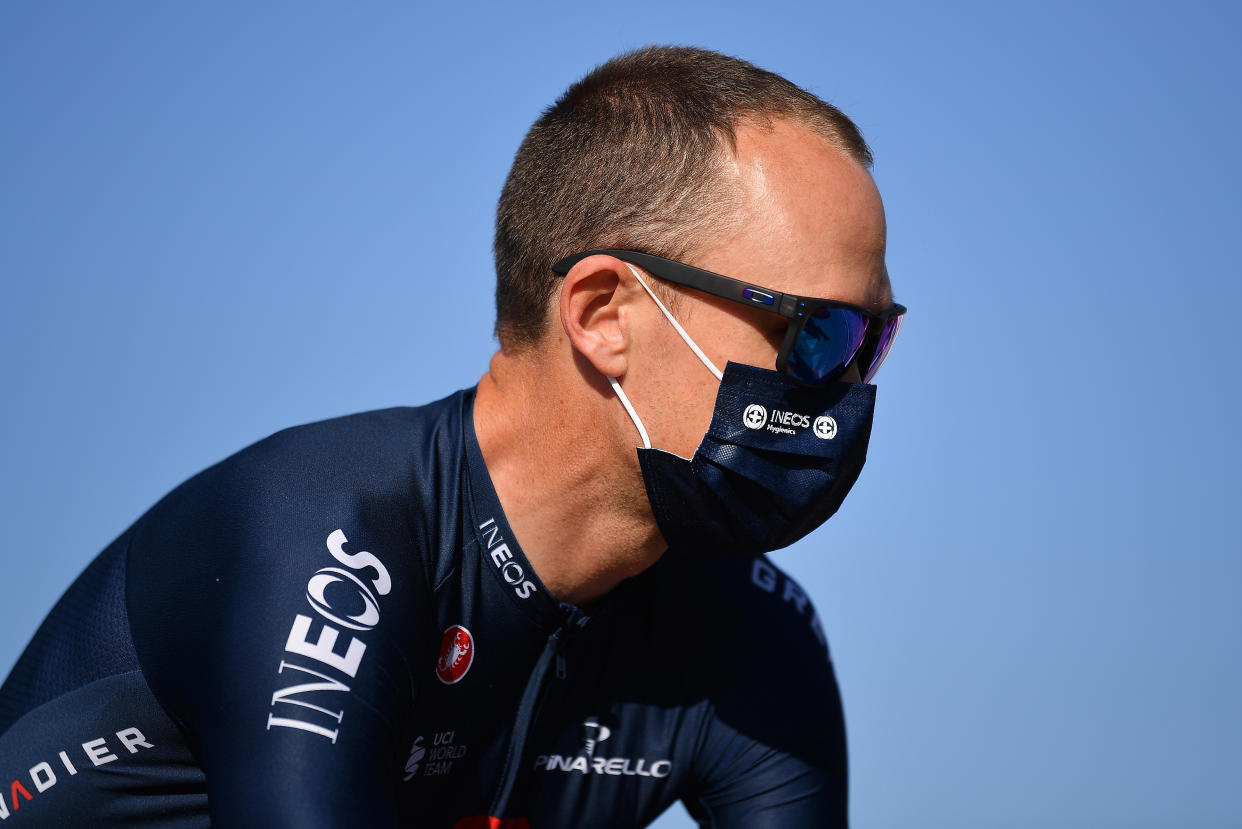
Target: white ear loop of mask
(676,325)
(629,407)
(625,401)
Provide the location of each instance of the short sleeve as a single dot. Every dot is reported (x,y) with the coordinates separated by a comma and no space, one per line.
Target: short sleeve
(772,753)
(270,622)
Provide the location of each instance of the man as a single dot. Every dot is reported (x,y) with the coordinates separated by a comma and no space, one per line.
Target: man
(492,611)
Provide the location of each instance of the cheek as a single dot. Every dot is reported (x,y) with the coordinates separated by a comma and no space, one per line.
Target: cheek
(676,394)
(757,345)
(686,389)
(740,334)
(695,392)
(775,336)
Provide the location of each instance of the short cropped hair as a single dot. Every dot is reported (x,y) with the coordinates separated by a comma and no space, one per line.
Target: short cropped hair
(632,156)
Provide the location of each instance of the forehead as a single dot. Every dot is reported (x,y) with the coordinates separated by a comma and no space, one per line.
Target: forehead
(809,219)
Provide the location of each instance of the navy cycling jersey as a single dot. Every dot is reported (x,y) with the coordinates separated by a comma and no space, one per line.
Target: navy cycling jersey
(336,627)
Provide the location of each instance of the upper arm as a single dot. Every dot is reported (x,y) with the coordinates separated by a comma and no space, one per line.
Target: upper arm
(307,712)
(266,621)
(773,751)
(775,781)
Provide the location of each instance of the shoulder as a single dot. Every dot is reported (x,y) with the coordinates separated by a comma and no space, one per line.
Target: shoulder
(311,544)
(751,644)
(338,512)
(374,449)
(380,464)
(747,607)
(773,736)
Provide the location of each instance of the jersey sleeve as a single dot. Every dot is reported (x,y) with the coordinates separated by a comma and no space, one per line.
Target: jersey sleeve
(773,753)
(268,619)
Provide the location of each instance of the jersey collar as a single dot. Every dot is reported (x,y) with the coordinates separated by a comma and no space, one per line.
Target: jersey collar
(501,554)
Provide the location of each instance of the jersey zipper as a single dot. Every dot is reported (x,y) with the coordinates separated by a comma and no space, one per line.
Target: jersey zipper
(528,707)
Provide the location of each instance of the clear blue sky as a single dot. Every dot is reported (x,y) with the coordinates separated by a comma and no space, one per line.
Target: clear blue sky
(217,220)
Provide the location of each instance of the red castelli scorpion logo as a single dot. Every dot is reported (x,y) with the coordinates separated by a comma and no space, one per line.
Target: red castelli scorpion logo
(456,655)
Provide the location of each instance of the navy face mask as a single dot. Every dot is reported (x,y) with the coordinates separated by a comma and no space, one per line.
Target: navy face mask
(776,462)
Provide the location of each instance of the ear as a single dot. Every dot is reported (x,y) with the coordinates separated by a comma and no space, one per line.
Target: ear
(595,314)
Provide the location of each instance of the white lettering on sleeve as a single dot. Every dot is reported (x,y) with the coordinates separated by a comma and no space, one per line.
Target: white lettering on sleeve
(285,722)
(763,575)
(64,758)
(794,594)
(357,561)
(43,777)
(133,739)
(97,750)
(324,650)
(287,696)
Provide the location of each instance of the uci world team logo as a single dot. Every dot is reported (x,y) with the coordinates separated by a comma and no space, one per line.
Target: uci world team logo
(755,416)
(456,655)
(417,753)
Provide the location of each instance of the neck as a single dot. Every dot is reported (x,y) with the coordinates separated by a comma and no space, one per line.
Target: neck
(564,467)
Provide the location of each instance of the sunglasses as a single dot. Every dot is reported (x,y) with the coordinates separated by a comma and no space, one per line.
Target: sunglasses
(824,336)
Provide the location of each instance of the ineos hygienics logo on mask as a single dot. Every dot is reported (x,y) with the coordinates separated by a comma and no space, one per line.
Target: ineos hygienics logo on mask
(755,416)
(825,427)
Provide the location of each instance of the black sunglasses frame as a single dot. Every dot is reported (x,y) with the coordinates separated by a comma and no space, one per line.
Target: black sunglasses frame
(792,306)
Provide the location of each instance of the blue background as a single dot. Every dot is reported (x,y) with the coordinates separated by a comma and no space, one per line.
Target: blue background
(217,220)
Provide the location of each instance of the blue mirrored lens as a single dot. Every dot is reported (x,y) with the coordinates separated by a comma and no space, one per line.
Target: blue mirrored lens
(828,342)
(885,344)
